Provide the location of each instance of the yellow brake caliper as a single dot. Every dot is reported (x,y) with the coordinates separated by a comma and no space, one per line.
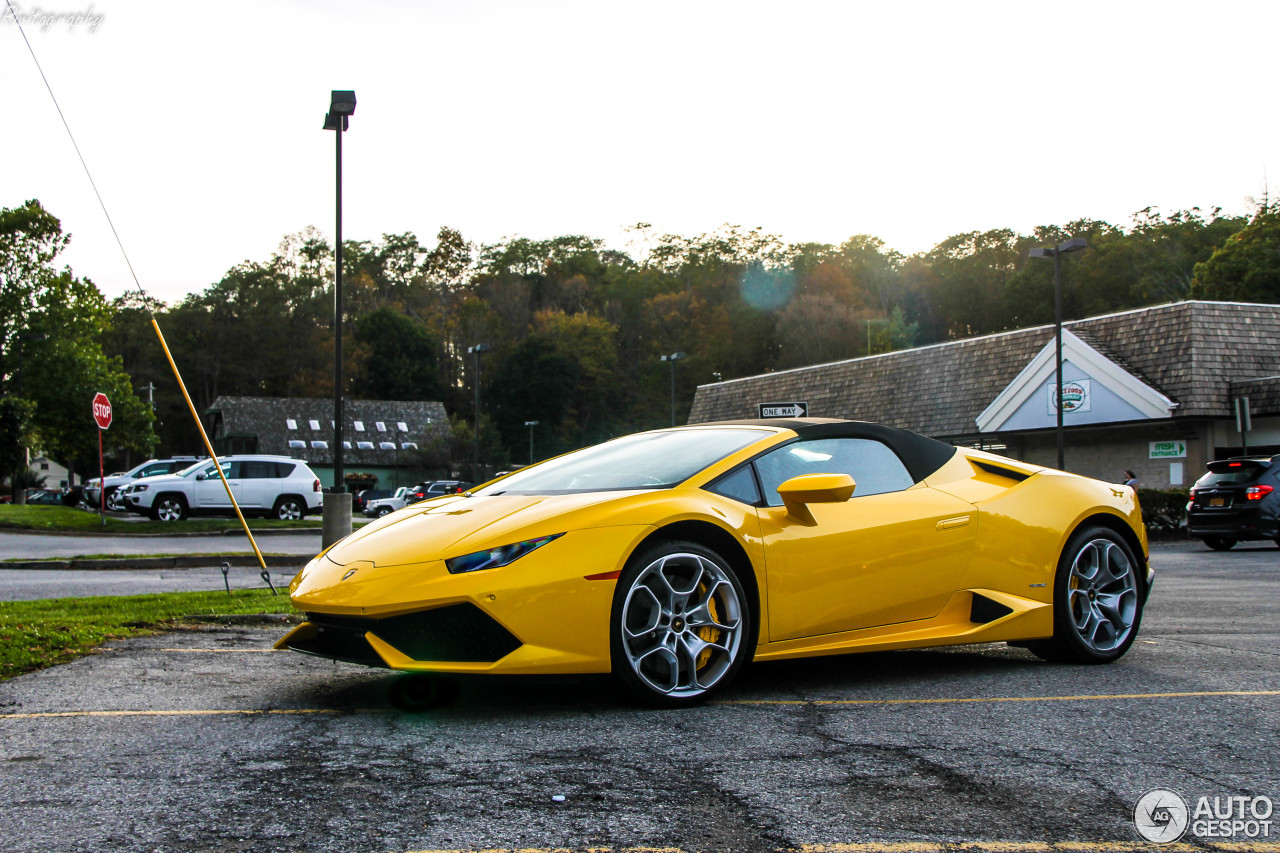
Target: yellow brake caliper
(707,632)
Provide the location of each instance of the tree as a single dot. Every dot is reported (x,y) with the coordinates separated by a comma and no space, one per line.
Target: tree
(401,358)
(1247,267)
(61,374)
(16,435)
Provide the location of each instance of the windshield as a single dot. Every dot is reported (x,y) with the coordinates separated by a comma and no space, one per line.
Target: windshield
(192,468)
(650,460)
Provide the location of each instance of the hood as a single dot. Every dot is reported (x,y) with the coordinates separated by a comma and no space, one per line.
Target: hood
(455,525)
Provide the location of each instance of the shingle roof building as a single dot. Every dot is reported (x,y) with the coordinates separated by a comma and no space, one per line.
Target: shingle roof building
(1147,375)
(377,435)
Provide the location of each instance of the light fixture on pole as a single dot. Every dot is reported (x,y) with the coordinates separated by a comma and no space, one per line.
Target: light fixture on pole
(1075,244)
(673,358)
(475,461)
(531,425)
(337,523)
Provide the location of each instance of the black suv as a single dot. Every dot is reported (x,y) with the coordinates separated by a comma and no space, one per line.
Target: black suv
(1237,499)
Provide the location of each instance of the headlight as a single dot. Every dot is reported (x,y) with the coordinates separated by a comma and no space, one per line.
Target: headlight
(137,488)
(495,557)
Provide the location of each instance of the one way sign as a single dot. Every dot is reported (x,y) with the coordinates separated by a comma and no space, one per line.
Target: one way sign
(784,410)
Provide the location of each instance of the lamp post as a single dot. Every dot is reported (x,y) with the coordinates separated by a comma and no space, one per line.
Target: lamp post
(1075,244)
(531,425)
(337,512)
(475,461)
(673,358)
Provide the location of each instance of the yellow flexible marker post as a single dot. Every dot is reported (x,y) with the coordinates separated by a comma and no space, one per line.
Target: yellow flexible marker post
(209,447)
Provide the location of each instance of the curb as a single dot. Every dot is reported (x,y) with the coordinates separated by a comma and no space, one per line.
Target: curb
(229,531)
(288,561)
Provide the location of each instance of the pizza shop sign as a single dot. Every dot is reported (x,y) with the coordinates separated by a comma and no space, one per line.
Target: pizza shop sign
(1076,397)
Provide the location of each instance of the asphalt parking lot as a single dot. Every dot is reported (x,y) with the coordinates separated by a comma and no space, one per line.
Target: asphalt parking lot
(204,739)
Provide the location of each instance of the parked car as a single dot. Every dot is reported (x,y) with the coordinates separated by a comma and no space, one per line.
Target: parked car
(44,497)
(276,486)
(646,556)
(361,498)
(378,507)
(436,488)
(150,468)
(1237,499)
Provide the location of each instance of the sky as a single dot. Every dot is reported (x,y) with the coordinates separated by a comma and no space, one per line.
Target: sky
(910,121)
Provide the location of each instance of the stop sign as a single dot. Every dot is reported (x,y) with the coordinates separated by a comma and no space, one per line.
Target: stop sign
(102,410)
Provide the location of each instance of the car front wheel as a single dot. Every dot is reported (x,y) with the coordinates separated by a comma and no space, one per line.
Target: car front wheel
(288,509)
(169,508)
(1220,543)
(383,510)
(681,627)
(1097,600)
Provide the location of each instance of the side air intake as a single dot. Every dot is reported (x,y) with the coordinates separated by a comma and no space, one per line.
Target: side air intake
(985,610)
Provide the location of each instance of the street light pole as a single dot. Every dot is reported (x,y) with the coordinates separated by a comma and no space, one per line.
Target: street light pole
(475,461)
(337,520)
(531,425)
(673,358)
(1075,244)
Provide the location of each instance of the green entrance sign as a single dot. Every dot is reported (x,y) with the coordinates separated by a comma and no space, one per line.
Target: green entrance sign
(1168,449)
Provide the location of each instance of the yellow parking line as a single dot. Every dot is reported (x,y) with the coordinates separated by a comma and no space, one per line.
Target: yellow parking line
(740,702)
(981,699)
(927,847)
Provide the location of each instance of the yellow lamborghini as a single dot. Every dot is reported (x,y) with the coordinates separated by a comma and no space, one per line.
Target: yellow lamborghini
(672,557)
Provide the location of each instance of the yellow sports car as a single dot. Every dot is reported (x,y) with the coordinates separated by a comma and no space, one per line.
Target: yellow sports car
(672,557)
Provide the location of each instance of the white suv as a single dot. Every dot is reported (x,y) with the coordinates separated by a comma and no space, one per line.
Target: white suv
(276,486)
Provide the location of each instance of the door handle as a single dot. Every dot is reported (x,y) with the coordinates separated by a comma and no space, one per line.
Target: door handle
(953,523)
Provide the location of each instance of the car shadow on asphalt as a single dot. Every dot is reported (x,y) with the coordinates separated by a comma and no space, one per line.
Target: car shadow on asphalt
(869,675)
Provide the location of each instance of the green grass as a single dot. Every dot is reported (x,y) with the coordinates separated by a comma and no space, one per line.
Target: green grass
(37,634)
(68,518)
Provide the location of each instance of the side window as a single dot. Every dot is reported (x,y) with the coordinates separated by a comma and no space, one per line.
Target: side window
(739,485)
(256,469)
(284,469)
(152,470)
(874,467)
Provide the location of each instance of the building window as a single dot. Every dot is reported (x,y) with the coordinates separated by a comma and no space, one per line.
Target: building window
(296,444)
(359,426)
(409,445)
(290,423)
(346,445)
(364,445)
(402,426)
(387,445)
(382,427)
(315,425)
(319,445)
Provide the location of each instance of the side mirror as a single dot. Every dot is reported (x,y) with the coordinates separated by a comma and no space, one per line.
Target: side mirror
(806,489)
(199,476)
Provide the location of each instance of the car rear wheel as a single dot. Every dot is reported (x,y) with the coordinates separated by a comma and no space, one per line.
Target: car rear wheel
(169,508)
(1220,543)
(288,508)
(1097,600)
(681,627)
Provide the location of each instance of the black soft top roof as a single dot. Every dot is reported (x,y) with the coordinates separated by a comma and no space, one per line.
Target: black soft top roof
(920,454)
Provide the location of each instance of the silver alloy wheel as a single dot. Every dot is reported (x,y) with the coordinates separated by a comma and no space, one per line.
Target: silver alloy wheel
(1102,594)
(288,510)
(681,625)
(115,501)
(169,509)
